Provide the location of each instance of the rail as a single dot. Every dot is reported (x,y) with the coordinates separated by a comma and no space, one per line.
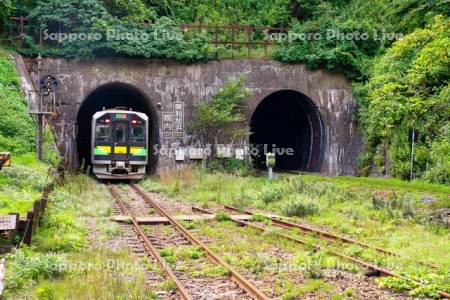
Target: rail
(360,262)
(330,236)
(235,275)
(149,246)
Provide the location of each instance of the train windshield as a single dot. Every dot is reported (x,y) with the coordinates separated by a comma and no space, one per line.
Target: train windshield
(103,133)
(138,133)
(119,132)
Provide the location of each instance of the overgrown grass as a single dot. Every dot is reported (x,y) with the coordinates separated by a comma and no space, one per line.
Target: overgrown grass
(21,184)
(253,254)
(100,274)
(62,264)
(292,291)
(377,183)
(387,213)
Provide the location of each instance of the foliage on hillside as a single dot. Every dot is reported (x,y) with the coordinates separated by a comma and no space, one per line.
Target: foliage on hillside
(410,90)
(16,126)
(106,30)
(303,16)
(352,35)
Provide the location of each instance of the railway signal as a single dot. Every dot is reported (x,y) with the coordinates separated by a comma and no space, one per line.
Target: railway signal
(47,85)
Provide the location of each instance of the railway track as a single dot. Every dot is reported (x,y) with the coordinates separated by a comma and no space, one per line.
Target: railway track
(140,202)
(149,247)
(233,286)
(330,236)
(327,235)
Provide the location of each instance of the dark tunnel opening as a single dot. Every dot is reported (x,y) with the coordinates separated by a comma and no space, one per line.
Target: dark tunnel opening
(288,120)
(113,95)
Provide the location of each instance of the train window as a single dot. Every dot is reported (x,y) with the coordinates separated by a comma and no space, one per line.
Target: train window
(138,133)
(103,133)
(119,132)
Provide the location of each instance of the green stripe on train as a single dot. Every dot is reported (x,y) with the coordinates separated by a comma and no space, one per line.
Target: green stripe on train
(98,151)
(140,152)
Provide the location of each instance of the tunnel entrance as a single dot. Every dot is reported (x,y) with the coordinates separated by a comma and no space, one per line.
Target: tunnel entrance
(288,120)
(108,96)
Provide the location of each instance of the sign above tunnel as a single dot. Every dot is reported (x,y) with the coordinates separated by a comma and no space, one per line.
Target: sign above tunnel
(173,121)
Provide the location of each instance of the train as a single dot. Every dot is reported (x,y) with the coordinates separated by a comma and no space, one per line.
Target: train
(119,144)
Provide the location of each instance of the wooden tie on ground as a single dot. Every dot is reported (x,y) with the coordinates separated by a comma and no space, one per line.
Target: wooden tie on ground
(164,220)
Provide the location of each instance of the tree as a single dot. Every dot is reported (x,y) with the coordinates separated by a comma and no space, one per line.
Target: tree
(409,90)
(216,117)
(5,11)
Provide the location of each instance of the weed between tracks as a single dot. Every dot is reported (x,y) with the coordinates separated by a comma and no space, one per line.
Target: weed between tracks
(186,258)
(282,268)
(390,214)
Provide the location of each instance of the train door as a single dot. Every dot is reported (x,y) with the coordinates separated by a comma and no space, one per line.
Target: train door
(120,140)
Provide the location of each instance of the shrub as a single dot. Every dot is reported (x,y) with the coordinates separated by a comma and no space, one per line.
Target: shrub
(25,176)
(314,265)
(300,206)
(215,119)
(364,163)
(25,267)
(236,166)
(272,193)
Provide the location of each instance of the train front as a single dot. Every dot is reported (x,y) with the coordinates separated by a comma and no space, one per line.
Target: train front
(119,144)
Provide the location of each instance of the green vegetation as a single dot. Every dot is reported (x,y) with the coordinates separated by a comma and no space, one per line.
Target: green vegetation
(212,271)
(299,206)
(265,257)
(171,255)
(292,291)
(21,184)
(28,266)
(168,285)
(222,216)
(214,117)
(61,264)
(409,91)
(17,129)
(16,126)
(388,213)
(115,18)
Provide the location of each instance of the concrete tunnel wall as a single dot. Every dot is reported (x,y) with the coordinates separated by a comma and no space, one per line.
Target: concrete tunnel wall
(163,82)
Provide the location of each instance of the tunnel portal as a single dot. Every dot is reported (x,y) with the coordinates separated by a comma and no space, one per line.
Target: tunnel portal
(288,119)
(113,95)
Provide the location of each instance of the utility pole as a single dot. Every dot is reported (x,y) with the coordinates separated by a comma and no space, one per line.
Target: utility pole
(412,153)
(39,115)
